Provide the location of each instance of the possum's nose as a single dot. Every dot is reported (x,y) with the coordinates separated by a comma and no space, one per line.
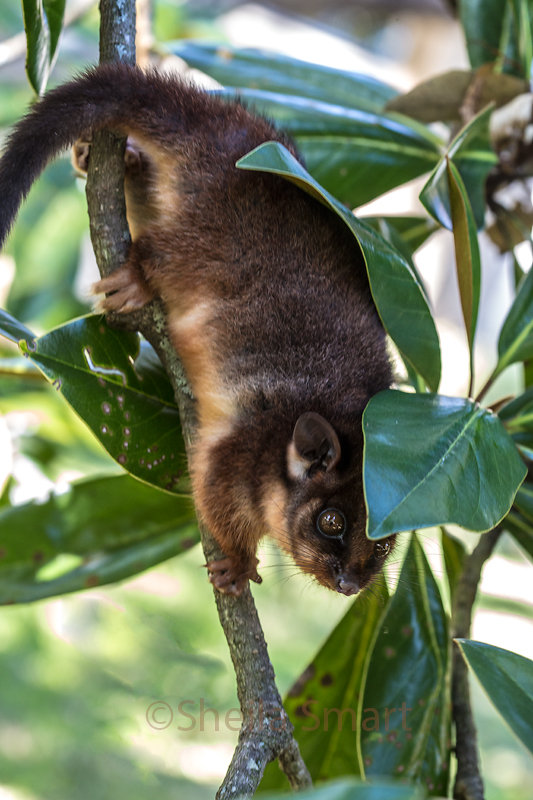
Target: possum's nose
(347,586)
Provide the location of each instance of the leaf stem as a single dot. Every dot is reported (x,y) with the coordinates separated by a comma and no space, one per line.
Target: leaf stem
(487,385)
(468,781)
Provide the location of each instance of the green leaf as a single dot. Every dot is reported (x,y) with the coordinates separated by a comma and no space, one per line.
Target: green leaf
(471,153)
(524,500)
(434,460)
(258,69)
(43,22)
(522,531)
(355,155)
(405,724)
(482,21)
(516,337)
(519,412)
(454,553)
(351,789)
(326,695)
(441,97)
(398,296)
(467,259)
(115,526)
(122,393)
(14,330)
(523,27)
(413,231)
(507,678)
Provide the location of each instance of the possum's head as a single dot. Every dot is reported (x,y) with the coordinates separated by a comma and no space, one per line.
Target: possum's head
(325,513)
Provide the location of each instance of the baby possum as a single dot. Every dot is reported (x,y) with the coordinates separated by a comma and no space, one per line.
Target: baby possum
(268,307)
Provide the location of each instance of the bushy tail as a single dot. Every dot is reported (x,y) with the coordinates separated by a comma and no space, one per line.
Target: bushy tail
(162,109)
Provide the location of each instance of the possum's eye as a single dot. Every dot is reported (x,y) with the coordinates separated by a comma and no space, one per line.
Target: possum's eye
(331,522)
(382,549)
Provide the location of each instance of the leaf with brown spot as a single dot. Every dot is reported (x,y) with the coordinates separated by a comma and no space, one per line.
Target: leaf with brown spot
(440,98)
(332,682)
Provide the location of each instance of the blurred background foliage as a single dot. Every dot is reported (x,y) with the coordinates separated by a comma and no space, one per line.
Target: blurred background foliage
(77,674)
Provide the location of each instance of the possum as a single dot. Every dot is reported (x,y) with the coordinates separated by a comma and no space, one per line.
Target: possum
(267,304)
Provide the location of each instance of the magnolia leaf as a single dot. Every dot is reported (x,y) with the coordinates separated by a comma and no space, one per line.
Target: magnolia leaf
(356,155)
(434,460)
(455,554)
(43,22)
(467,259)
(99,531)
(121,391)
(404,708)
(399,298)
(471,153)
(440,98)
(273,72)
(322,704)
(507,678)
(516,336)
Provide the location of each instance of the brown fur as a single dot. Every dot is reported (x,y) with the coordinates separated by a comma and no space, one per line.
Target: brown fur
(268,307)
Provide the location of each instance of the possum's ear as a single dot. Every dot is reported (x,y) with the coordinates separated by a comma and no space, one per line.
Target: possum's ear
(314,446)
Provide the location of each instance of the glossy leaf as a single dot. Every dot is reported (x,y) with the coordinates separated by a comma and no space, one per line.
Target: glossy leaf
(14,330)
(404,707)
(471,153)
(467,259)
(413,231)
(122,393)
(98,532)
(454,553)
(523,440)
(355,155)
(507,678)
(516,337)
(332,681)
(522,531)
(43,22)
(434,460)
(259,69)
(519,412)
(441,97)
(522,26)
(352,789)
(524,500)
(482,22)
(398,296)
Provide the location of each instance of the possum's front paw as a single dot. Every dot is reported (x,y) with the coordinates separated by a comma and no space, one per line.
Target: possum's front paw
(231,575)
(126,290)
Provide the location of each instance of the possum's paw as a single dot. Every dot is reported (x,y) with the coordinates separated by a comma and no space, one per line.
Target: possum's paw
(231,575)
(80,156)
(126,290)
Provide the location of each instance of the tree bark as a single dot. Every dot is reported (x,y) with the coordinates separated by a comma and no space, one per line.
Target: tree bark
(468,781)
(266,731)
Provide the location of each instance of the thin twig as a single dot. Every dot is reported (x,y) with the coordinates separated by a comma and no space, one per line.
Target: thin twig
(266,731)
(468,781)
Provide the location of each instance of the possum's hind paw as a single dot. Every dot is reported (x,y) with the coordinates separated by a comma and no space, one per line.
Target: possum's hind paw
(80,155)
(231,575)
(126,290)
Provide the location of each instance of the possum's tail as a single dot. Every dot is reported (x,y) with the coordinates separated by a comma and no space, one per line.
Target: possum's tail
(164,111)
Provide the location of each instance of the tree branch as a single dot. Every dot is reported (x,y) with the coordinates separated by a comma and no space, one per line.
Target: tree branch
(468,781)
(266,731)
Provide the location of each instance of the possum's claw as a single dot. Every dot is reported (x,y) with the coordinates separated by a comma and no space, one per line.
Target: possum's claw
(126,290)
(231,575)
